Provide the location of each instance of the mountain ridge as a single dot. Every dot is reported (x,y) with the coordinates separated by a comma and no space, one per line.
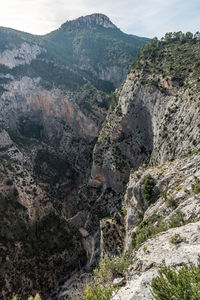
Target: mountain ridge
(97,54)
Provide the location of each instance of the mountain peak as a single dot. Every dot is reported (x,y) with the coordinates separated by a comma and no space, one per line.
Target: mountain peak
(92,20)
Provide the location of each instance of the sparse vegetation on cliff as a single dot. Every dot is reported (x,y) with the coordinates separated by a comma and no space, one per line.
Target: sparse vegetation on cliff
(175,58)
(174,283)
(147,188)
(102,286)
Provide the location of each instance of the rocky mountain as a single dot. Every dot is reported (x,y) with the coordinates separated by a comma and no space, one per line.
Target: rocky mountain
(147,157)
(52,106)
(89,48)
(87,174)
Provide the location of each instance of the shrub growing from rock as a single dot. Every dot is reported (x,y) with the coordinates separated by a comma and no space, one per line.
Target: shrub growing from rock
(147,188)
(102,286)
(173,283)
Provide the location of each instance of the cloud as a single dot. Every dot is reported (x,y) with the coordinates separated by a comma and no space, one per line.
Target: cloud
(140,17)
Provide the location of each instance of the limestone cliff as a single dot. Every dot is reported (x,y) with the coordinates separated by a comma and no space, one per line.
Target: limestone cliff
(57,220)
(147,153)
(156,118)
(47,133)
(174,211)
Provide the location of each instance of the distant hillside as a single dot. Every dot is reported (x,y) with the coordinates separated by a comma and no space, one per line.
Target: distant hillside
(88,48)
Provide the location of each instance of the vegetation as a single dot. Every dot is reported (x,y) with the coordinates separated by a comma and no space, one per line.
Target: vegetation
(147,188)
(98,292)
(174,283)
(147,228)
(171,202)
(114,102)
(175,239)
(66,50)
(42,247)
(176,57)
(102,285)
(196,186)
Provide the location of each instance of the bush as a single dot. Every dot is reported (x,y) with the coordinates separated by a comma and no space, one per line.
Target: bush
(196,188)
(171,202)
(177,220)
(97,292)
(102,287)
(147,188)
(147,230)
(177,284)
(175,239)
(154,225)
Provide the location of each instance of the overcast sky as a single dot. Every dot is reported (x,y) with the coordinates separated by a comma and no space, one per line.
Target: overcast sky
(141,17)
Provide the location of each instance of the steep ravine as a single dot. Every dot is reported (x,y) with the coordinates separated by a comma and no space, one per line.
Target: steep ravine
(46,142)
(63,204)
(147,153)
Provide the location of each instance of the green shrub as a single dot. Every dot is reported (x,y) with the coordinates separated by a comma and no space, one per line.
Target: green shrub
(171,202)
(102,287)
(196,188)
(182,284)
(175,239)
(177,220)
(110,269)
(147,188)
(147,228)
(98,292)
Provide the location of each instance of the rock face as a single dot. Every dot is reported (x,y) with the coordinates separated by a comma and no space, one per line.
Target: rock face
(46,139)
(148,262)
(147,153)
(47,133)
(155,119)
(94,20)
(51,111)
(175,204)
(17,56)
(144,168)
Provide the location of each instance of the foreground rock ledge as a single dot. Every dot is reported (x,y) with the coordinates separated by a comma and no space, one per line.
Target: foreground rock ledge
(157,249)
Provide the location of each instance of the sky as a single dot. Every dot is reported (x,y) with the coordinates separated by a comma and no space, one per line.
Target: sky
(147,18)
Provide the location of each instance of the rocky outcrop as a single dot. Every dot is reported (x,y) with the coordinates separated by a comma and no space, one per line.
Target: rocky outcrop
(168,236)
(92,20)
(150,124)
(147,153)
(150,256)
(20,56)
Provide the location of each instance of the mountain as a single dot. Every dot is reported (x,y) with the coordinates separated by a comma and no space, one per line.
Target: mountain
(52,106)
(156,116)
(147,156)
(88,174)
(89,48)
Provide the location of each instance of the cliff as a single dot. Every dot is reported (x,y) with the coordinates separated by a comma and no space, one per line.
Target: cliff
(155,118)
(147,154)
(86,174)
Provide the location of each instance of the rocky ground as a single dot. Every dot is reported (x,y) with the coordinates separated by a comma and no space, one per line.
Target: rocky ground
(170,229)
